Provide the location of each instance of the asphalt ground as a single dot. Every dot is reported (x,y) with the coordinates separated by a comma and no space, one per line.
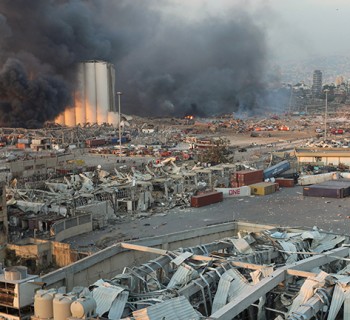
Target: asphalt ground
(287,208)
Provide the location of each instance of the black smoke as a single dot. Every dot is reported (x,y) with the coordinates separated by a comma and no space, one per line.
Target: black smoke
(165,63)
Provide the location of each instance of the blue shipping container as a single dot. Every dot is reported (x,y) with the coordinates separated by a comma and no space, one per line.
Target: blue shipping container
(275,170)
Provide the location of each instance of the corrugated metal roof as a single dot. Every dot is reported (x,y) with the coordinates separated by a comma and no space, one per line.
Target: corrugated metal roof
(347,306)
(183,275)
(221,294)
(118,305)
(104,296)
(174,309)
(337,301)
(182,257)
(325,246)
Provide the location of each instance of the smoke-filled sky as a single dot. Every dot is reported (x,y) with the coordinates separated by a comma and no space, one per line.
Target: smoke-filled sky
(172,57)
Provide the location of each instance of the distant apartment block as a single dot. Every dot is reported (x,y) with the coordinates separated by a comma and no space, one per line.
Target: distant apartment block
(317,83)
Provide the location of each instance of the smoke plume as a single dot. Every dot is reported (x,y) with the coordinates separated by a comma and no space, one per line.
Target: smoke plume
(166,63)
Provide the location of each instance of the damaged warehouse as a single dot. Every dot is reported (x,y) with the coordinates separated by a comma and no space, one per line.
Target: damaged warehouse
(254,271)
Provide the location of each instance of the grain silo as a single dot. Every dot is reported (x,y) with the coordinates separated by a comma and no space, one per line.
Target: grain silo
(94,98)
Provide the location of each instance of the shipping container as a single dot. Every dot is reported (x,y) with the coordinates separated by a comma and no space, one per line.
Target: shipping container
(206,199)
(235,192)
(285,183)
(317,178)
(323,191)
(263,188)
(275,170)
(95,142)
(339,183)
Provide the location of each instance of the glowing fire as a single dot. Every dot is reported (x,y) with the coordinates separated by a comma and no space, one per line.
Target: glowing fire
(189,117)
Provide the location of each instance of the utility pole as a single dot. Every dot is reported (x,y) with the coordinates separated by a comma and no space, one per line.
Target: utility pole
(120,132)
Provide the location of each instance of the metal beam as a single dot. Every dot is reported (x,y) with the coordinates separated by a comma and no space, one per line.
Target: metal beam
(194,257)
(310,307)
(252,294)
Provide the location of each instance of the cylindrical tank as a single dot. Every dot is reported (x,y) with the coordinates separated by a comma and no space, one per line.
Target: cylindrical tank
(79,96)
(83,307)
(15,273)
(90,91)
(43,306)
(61,306)
(102,98)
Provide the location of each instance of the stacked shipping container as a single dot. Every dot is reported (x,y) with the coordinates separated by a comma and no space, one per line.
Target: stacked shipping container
(246,177)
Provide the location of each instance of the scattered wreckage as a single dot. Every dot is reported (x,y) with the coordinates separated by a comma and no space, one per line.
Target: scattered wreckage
(268,273)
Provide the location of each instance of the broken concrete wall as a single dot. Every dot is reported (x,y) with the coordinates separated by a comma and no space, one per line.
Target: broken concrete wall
(33,249)
(74,226)
(62,254)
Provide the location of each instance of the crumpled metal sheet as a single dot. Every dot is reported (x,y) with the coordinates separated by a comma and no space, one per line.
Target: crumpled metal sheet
(104,296)
(182,257)
(118,305)
(231,284)
(289,246)
(307,290)
(182,276)
(328,243)
(337,301)
(242,245)
(174,309)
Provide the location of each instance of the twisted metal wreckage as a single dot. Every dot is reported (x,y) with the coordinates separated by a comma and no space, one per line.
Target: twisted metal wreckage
(272,274)
(164,185)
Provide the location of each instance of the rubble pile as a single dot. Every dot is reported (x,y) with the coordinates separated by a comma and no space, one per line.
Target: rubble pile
(273,274)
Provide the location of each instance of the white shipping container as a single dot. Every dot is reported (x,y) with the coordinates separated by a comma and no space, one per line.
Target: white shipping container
(235,192)
(317,178)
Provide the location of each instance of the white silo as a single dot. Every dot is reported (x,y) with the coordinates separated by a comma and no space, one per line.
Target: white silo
(102,94)
(79,97)
(89,98)
(94,96)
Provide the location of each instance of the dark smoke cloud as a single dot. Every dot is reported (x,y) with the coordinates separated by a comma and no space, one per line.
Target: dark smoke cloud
(166,64)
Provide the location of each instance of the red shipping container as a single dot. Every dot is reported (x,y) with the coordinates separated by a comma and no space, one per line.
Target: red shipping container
(206,199)
(286,183)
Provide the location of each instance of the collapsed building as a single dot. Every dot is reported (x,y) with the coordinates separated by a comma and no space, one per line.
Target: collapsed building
(229,271)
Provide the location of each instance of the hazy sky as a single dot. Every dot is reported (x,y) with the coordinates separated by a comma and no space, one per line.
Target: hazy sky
(294,28)
(309,27)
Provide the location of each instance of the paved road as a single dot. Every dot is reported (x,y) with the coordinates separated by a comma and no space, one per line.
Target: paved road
(287,207)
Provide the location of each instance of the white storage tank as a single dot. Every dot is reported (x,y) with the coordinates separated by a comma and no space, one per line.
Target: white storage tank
(43,304)
(83,308)
(15,273)
(61,306)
